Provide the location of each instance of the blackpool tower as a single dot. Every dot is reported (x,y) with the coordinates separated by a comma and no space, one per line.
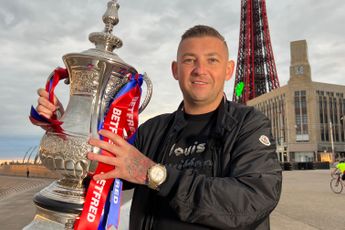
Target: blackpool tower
(256,72)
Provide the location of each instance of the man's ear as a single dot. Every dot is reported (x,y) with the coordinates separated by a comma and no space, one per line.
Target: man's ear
(230,69)
(174,69)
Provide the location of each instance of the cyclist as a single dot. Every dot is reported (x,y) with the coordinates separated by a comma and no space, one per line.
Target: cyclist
(341,167)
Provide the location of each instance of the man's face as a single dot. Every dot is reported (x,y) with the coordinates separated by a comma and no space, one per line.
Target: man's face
(202,67)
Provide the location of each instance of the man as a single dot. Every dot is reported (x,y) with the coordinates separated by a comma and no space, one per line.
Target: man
(341,168)
(209,165)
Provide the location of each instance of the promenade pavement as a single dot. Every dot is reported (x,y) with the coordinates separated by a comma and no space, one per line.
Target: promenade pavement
(307,203)
(16,205)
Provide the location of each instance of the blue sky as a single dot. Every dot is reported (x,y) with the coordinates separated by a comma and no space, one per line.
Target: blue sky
(16,147)
(34,35)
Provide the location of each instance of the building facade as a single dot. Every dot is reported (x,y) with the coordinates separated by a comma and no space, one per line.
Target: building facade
(308,118)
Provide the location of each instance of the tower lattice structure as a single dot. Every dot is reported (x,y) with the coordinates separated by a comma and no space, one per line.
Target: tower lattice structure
(256,72)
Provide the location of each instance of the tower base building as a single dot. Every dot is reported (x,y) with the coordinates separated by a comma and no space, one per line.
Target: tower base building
(308,118)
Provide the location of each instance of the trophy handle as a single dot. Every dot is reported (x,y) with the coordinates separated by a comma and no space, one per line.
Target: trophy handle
(147,99)
(53,79)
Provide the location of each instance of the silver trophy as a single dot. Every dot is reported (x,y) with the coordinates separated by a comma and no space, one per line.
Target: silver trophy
(95,76)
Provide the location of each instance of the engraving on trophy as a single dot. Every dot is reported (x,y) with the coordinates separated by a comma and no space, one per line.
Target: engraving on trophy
(115,83)
(65,154)
(84,81)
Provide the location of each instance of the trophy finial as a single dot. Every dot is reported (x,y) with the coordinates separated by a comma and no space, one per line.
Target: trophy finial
(105,40)
(111,17)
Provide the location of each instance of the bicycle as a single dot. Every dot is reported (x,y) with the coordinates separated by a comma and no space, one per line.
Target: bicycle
(335,172)
(336,183)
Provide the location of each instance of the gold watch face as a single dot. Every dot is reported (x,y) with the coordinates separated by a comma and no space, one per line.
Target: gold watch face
(157,174)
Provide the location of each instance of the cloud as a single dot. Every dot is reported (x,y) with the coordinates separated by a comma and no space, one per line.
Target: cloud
(34,35)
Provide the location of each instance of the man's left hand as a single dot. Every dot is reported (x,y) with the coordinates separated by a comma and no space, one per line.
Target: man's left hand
(130,164)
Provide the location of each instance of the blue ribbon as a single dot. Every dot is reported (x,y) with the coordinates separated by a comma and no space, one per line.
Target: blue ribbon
(37,116)
(115,203)
(111,211)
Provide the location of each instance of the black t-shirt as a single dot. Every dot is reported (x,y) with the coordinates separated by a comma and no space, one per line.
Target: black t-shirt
(190,150)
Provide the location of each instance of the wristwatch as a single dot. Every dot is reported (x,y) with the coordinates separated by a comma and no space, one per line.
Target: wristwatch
(156,175)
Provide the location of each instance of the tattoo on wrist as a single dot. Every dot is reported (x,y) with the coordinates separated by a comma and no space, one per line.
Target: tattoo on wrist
(137,168)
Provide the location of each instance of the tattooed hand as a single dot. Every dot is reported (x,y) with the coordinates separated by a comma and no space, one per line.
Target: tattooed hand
(130,164)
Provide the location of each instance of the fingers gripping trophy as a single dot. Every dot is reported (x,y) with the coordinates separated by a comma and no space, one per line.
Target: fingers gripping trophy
(104,93)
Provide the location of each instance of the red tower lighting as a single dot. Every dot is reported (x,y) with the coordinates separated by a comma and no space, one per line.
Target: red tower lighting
(256,72)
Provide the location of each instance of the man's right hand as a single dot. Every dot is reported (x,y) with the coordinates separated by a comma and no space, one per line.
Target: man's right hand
(45,107)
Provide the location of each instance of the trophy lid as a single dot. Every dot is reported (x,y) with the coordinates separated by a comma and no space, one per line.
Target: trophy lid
(105,41)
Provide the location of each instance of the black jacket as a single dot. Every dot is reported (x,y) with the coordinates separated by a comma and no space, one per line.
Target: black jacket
(246,182)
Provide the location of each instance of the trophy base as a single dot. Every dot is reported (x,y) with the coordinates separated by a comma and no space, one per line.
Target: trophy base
(57,206)
(51,220)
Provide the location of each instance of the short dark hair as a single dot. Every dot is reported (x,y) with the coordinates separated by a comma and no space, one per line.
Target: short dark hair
(202,31)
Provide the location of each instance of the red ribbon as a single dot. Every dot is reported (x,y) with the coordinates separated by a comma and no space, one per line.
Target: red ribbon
(36,119)
(122,115)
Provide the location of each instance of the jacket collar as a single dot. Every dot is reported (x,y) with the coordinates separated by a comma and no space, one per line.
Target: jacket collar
(226,120)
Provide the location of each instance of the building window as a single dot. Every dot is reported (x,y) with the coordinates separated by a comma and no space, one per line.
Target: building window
(320,109)
(341,111)
(336,123)
(332,110)
(325,123)
(301,116)
(274,110)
